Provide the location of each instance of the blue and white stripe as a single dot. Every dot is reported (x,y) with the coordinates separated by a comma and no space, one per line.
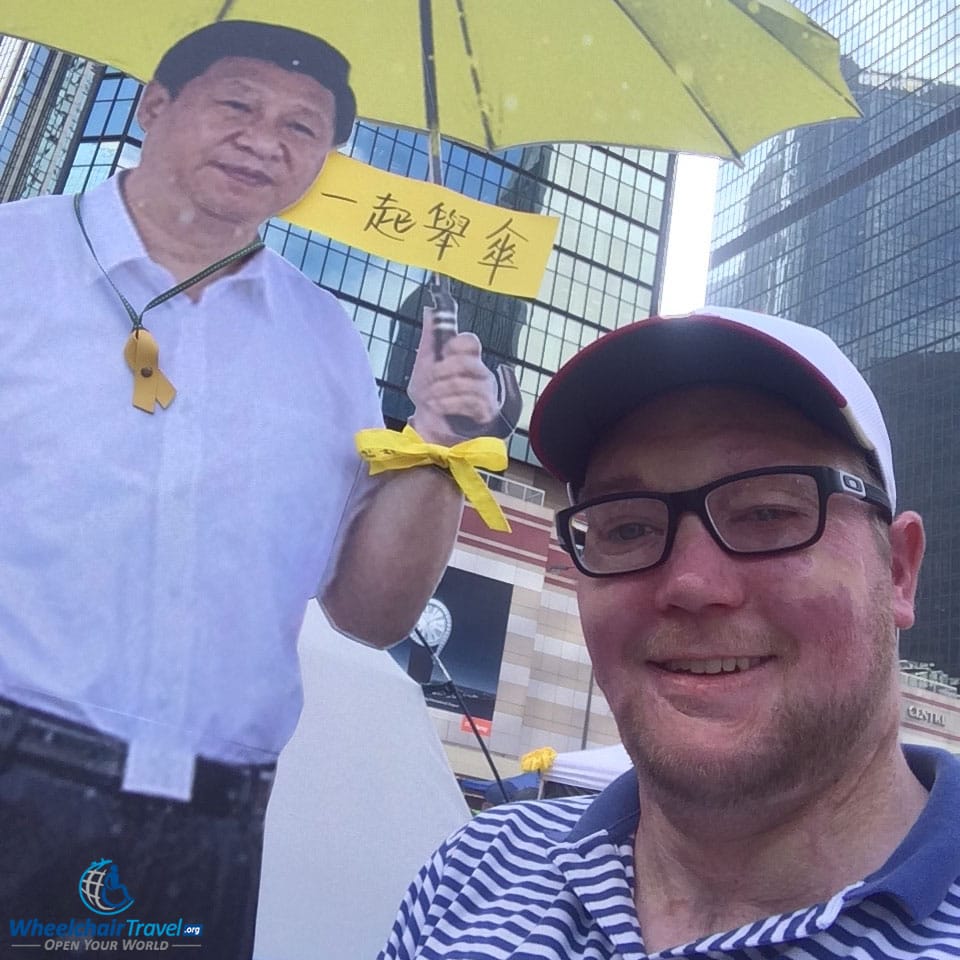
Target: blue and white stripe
(553,880)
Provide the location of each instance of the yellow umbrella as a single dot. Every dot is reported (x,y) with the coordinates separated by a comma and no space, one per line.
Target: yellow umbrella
(701,76)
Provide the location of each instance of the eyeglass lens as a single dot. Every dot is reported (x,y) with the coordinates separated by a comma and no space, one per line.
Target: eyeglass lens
(750,515)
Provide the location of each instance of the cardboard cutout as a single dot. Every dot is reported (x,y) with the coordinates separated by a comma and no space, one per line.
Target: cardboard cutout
(177,491)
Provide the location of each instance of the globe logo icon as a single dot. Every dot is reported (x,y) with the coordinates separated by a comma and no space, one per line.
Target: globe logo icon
(101,890)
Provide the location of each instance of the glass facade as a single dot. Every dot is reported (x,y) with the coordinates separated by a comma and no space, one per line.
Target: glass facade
(604,270)
(854,227)
(42,98)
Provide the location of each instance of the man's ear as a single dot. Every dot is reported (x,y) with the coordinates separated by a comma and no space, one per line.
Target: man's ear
(153,101)
(907,542)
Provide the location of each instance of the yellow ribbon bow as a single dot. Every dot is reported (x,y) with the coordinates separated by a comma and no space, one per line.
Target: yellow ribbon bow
(389,450)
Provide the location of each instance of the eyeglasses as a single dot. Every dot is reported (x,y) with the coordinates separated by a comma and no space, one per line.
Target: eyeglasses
(758,513)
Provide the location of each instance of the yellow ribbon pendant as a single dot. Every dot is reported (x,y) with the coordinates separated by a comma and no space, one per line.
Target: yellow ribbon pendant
(150,386)
(389,450)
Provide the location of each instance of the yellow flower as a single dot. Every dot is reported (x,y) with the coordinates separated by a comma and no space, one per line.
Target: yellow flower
(538,760)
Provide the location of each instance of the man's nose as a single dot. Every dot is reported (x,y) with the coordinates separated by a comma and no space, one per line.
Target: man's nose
(260,137)
(698,573)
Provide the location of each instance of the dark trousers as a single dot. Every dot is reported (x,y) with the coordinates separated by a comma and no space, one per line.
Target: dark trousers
(175,861)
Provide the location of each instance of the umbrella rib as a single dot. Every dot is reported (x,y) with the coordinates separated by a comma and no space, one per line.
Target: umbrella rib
(693,96)
(813,28)
(475,76)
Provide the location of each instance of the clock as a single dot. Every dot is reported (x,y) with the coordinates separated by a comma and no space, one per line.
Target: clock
(435,625)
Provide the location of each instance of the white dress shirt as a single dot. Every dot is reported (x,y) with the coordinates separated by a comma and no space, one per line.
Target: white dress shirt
(155,569)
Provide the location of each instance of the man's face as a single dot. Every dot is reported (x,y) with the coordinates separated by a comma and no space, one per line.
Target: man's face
(814,629)
(240,143)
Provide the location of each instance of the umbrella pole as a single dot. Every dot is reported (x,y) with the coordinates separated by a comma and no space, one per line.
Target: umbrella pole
(444,306)
(442,302)
(428,53)
(451,683)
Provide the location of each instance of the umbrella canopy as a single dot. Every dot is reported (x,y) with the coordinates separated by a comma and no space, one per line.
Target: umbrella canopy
(702,76)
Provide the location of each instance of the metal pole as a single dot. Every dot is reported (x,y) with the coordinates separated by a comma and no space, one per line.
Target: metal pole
(448,680)
(586,714)
(445,307)
(430,101)
(431,106)
(443,303)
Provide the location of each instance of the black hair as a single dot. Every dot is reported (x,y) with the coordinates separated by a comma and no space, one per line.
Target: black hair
(290,49)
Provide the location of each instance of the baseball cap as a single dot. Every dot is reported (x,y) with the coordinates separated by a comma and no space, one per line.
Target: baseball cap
(290,49)
(719,346)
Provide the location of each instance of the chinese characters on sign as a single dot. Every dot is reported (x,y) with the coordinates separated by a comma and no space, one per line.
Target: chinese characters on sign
(389,219)
(502,248)
(446,227)
(428,226)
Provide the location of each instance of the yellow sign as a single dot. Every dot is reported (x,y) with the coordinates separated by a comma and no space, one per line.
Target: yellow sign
(427,226)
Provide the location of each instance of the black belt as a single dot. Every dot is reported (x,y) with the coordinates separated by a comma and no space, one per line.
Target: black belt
(81,753)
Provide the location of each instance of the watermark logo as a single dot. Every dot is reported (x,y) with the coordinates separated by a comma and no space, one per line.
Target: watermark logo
(101,890)
(103,893)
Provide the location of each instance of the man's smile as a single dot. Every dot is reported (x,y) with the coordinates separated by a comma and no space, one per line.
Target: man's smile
(709,664)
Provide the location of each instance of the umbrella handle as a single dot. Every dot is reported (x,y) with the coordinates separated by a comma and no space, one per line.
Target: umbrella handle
(508,390)
(444,315)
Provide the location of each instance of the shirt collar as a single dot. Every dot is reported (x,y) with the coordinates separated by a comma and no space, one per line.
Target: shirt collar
(108,224)
(918,873)
(616,810)
(115,237)
(921,870)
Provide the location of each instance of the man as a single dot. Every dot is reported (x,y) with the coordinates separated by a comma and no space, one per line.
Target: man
(742,576)
(156,568)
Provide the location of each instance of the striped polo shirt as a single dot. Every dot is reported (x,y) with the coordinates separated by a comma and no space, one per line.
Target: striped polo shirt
(553,880)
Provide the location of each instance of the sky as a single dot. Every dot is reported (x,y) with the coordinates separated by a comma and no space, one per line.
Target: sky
(688,237)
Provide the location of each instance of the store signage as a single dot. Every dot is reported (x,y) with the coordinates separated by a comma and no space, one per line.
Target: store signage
(915,712)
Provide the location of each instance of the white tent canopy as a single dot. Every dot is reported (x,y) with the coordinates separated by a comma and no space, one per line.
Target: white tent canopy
(589,769)
(363,796)
(595,769)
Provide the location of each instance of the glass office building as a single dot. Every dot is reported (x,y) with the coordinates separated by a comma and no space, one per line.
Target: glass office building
(43,96)
(604,270)
(854,227)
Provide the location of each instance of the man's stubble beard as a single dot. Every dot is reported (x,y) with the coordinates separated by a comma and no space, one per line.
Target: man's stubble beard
(801,743)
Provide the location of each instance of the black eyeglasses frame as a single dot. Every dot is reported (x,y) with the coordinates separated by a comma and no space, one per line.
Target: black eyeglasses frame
(829,481)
